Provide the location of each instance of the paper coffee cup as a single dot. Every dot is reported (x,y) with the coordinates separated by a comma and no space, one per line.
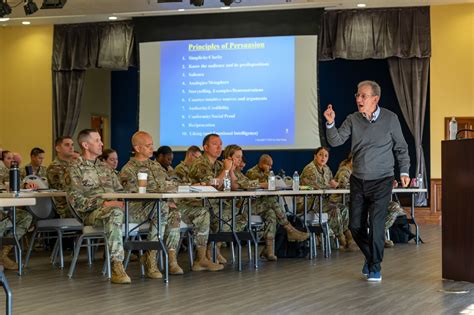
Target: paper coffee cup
(142,182)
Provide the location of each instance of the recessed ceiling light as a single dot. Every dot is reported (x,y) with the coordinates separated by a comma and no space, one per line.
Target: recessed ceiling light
(361,5)
(112,18)
(180,10)
(225,8)
(26,22)
(4,19)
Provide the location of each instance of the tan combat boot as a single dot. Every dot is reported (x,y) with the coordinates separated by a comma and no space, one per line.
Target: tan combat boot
(149,261)
(342,242)
(173,266)
(267,252)
(350,244)
(202,263)
(295,235)
(220,259)
(119,275)
(8,264)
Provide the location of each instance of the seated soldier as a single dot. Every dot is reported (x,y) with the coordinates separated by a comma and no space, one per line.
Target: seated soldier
(110,157)
(208,167)
(267,207)
(164,158)
(182,169)
(260,171)
(55,172)
(88,178)
(159,181)
(319,176)
(36,164)
(23,218)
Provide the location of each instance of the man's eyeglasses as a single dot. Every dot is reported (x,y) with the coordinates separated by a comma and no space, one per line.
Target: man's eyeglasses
(363,96)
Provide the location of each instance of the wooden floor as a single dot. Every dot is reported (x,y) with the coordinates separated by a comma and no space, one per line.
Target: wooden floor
(411,284)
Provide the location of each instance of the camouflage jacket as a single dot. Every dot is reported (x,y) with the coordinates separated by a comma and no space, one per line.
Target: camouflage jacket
(202,171)
(244,182)
(86,181)
(257,173)
(182,171)
(157,181)
(55,174)
(41,172)
(314,177)
(4,176)
(342,177)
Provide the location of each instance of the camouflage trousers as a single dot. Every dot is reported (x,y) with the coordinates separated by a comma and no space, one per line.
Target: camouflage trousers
(200,218)
(62,209)
(394,210)
(240,216)
(112,218)
(338,218)
(23,223)
(272,214)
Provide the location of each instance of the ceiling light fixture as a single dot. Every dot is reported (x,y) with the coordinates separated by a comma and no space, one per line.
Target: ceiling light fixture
(5,8)
(197,3)
(361,5)
(112,18)
(30,7)
(4,19)
(180,10)
(53,4)
(26,22)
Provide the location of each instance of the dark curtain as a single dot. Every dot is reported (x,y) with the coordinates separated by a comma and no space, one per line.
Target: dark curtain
(410,79)
(376,33)
(76,48)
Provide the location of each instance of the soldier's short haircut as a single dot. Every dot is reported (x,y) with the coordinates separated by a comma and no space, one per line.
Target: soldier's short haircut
(376,90)
(60,140)
(230,150)
(163,150)
(138,135)
(264,157)
(321,148)
(84,135)
(208,137)
(36,151)
(193,149)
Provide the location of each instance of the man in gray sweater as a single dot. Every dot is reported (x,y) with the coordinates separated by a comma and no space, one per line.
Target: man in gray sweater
(376,137)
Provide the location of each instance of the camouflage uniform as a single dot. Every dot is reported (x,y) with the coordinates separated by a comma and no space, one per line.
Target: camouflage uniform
(182,171)
(86,181)
(394,210)
(55,175)
(40,173)
(158,180)
(342,177)
(23,218)
(338,214)
(202,171)
(255,173)
(267,207)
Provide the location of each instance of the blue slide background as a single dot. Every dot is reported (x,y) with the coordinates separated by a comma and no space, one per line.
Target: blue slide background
(273,118)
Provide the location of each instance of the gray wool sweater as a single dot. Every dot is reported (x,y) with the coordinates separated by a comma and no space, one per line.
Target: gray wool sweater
(374,144)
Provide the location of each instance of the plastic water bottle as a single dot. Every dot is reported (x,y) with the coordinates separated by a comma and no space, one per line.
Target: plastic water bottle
(227,182)
(419,180)
(453,129)
(271,181)
(296,181)
(14,178)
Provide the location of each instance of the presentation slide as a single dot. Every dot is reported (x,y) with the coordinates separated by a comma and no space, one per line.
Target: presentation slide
(259,93)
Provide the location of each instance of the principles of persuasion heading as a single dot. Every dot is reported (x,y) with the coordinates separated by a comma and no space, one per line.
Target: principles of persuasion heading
(225,46)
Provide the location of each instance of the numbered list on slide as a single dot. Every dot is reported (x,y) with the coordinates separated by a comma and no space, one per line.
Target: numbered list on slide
(242,89)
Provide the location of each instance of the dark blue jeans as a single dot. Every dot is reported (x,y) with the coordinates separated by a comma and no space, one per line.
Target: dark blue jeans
(369,203)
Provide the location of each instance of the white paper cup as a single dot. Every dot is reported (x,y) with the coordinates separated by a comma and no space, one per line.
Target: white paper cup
(142,182)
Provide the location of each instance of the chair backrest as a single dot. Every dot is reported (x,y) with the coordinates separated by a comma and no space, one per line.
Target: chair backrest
(43,209)
(41,183)
(74,212)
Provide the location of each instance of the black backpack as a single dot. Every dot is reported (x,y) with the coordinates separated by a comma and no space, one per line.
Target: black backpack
(400,230)
(286,249)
